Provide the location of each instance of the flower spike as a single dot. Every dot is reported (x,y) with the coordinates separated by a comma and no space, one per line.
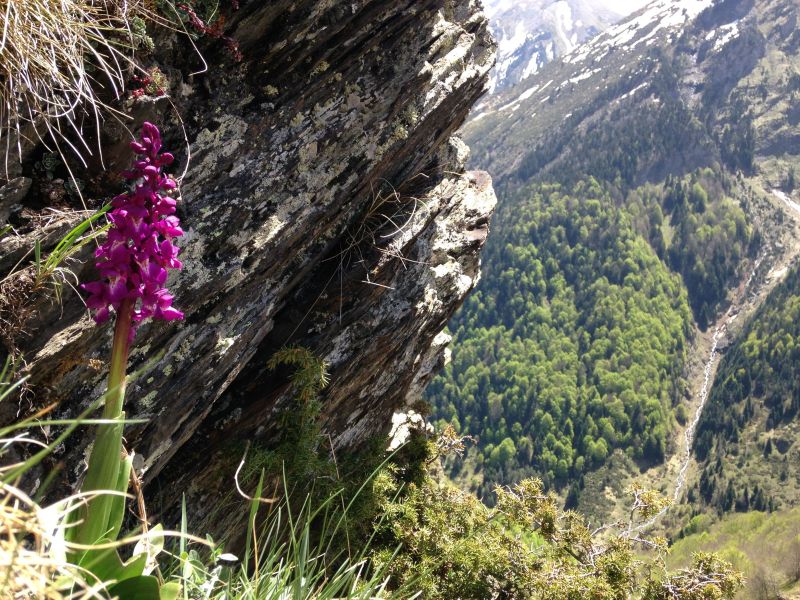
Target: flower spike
(139,251)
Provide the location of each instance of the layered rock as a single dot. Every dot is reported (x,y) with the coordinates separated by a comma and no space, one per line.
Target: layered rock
(326,205)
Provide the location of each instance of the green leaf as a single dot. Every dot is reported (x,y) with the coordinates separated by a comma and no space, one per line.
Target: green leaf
(254,503)
(184,526)
(102,476)
(170,591)
(187,568)
(74,241)
(106,565)
(142,587)
(37,254)
(117,503)
(151,546)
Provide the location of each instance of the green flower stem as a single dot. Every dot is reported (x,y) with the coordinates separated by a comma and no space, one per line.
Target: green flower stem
(105,460)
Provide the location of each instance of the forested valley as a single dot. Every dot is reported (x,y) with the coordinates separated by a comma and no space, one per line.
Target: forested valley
(638,216)
(576,340)
(747,432)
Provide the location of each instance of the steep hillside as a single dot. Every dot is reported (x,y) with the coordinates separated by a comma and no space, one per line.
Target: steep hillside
(680,119)
(747,437)
(648,74)
(764,546)
(532,33)
(573,344)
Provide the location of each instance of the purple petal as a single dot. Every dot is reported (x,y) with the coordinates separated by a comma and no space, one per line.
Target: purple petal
(118,290)
(101,315)
(170,314)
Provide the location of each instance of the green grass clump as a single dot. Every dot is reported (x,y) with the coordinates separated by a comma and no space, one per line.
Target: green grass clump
(289,555)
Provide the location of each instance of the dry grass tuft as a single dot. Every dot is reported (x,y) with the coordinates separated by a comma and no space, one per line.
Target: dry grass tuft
(61,61)
(17,294)
(384,224)
(20,289)
(32,555)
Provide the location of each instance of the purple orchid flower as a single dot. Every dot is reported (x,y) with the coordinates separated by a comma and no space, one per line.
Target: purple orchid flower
(139,251)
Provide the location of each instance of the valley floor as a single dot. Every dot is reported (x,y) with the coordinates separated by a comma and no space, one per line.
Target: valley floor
(781,249)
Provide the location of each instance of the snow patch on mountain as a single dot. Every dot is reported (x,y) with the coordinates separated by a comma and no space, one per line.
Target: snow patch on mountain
(660,21)
(565,27)
(532,33)
(723,35)
(657,16)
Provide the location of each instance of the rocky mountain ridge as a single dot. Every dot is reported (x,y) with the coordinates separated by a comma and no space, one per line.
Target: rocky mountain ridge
(609,65)
(533,33)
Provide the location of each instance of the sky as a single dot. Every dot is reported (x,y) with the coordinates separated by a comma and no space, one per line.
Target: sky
(621,7)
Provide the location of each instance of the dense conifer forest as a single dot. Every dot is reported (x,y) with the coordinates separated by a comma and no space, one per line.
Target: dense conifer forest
(764,366)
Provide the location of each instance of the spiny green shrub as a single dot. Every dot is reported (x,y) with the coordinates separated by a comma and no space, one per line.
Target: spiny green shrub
(452,546)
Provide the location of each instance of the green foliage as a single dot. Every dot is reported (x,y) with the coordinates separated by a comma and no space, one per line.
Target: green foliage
(765,547)
(453,546)
(738,139)
(299,439)
(421,539)
(301,457)
(764,365)
(709,242)
(44,274)
(709,578)
(427,539)
(303,463)
(296,555)
(573,344)
(52,267)
(757,389)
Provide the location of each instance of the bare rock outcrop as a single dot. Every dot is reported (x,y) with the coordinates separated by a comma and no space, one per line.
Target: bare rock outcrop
(326,205)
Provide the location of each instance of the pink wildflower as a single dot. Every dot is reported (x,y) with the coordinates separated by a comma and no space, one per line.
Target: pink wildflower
(139,250)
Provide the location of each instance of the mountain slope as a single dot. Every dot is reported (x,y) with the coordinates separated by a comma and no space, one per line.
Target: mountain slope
(764,546)
(682,118)
(572,348)
(747,437)
(533,33)
(553,117)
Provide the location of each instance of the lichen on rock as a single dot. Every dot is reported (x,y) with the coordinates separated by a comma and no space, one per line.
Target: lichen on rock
(334,105)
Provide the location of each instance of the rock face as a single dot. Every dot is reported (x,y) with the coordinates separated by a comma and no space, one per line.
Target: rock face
(326,206)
